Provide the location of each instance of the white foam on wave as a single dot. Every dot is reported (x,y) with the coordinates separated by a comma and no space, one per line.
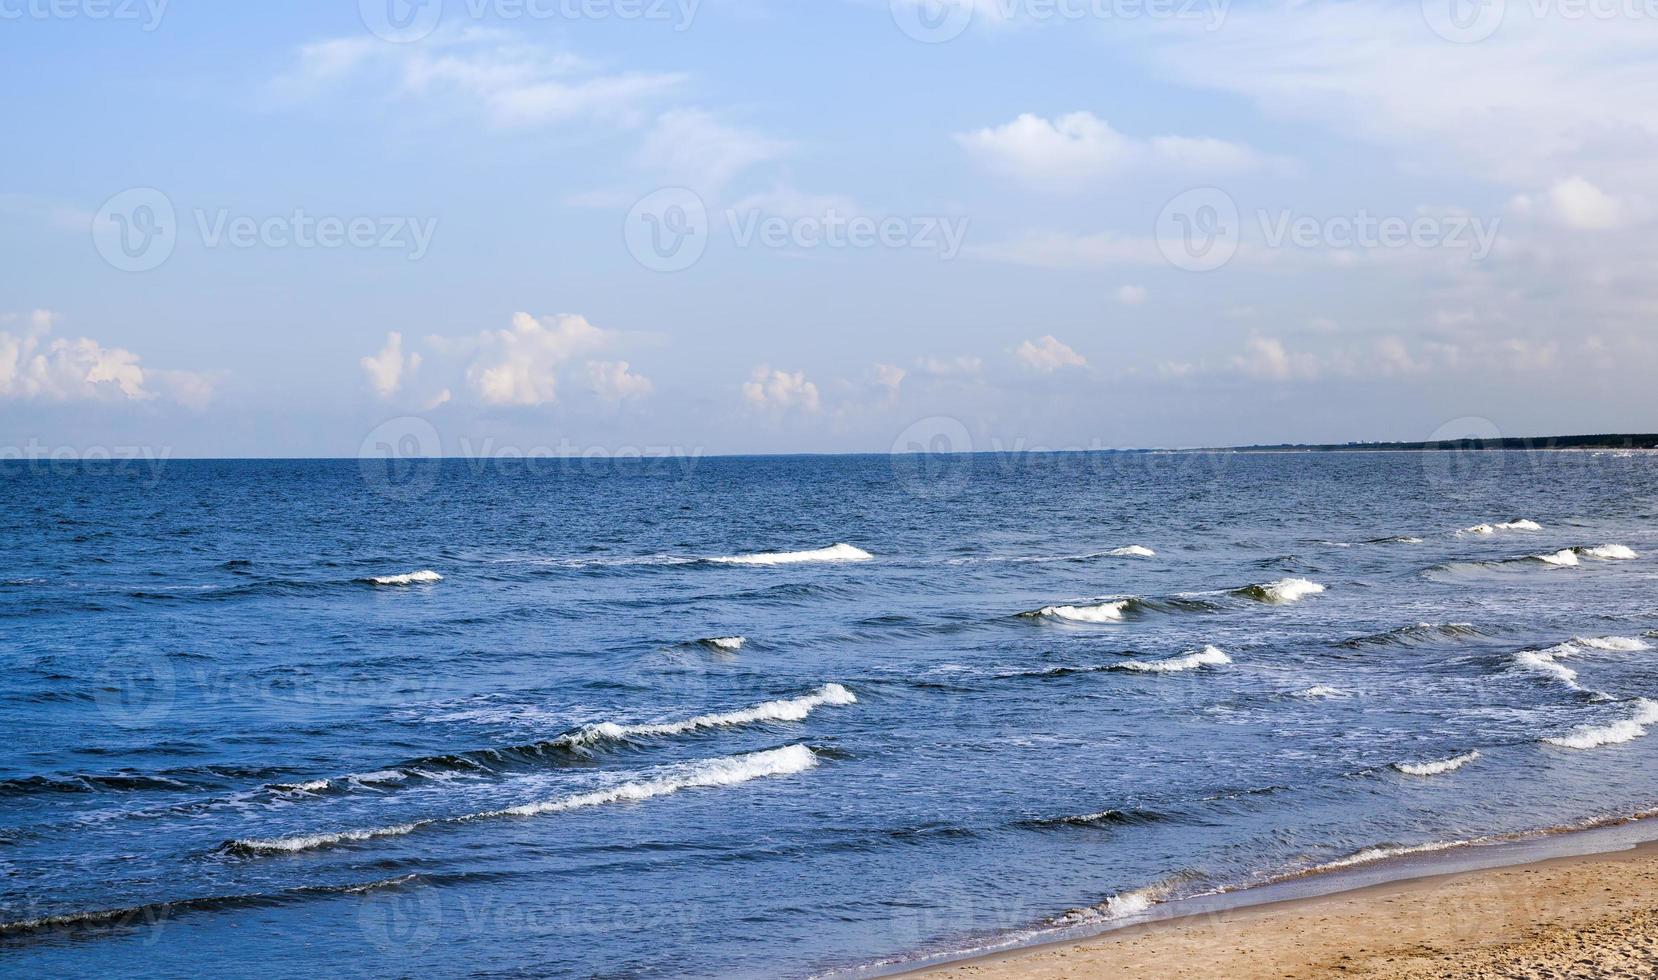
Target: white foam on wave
(728,771)
(1609,552)
(1209,656)
(1616,733)
(1547,662)
(1105,612)
(833,553)
(1288,590)
(792,709)
(726,642)
(1321,691)
(1133,551)
(1373,854)
(1436,767)
(1520,525)
(423,577)
(1565,558)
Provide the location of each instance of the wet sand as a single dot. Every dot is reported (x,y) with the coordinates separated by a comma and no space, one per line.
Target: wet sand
(1567,917)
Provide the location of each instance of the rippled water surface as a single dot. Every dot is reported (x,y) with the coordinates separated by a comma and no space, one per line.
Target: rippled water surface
(783,715)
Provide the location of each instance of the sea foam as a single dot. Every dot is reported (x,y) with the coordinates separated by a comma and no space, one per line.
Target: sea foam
(1615,733)
(1436,767)
(792,709)
(1133,551)
(1283,591)
(424,577)
(1520,525)
(1104,612)
(1209,656)
(833,553)
(728,771)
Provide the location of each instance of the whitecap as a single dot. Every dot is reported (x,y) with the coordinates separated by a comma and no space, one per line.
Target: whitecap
(1565,558)
(1523,524)
(833,553)
(1321,691)
(1105,612)
(1209,656)
(1133,551)
(424,577)
(1615,733)
(1609,552)
(1436,767)
(728,771)
(1284,590)
(725,642)
(792,709)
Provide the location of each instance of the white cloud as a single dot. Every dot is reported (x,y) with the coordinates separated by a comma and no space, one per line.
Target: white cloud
(1079,148)
(780,391)
(945,366)
(1132,295)
(1055,250)
(696,149)
(890,377)
(1267,359)
(1579,204)
(385,370)
(615,382)
(1048,354)
(34,366)
(509,83)
(520,366)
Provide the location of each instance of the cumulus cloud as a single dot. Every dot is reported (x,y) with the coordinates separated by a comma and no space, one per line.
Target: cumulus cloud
(1048,354)
(1576,203)
(520,365)
(780,391)
(1079,147)
(35,366)
(614,381)
(385,370)
(1267,359)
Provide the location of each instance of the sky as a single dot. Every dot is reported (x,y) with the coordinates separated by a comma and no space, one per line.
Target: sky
(596,227)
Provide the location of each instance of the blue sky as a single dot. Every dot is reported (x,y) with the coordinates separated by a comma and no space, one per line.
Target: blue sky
(1047,224)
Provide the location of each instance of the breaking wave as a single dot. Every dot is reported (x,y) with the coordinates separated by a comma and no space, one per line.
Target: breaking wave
(728,771)
(1547,663)
(1436,767)
(1133,551)
(1616,733)
(424,577)
(793,709)
(1520,525)
(1209,656)
(1321,691)
(833,553)
(1282,591)
(727,643)
(1419,633)
(1104,612)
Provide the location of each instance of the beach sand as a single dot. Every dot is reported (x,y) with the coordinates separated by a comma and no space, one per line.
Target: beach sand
(1572,917)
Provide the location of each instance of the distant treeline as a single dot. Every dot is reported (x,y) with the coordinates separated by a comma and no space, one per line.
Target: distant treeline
(1606,441)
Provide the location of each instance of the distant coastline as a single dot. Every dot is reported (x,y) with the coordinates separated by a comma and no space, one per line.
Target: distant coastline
(1603,441)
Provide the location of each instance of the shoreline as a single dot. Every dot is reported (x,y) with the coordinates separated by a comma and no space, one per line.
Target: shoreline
(1440,913)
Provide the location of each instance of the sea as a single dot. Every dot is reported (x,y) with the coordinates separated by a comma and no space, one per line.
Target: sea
(785,716)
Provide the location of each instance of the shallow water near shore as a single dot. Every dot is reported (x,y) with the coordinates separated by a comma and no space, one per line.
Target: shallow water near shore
(762,716)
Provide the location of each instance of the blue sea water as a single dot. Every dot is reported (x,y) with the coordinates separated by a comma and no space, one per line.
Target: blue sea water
(242,736)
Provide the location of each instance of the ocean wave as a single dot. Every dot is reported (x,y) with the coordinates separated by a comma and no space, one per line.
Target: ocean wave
(727,643)
(1523,524)
(1104,612)
(1615,733)
(1370,855)
(1209,656)
(1321,691)
(1418,633)
(1609,552)
(1282,591)
(1436,767)
(1546,662)
(1102,818)
(833,553)
(792,709)
(728,771)
(1133,551)
(423,577)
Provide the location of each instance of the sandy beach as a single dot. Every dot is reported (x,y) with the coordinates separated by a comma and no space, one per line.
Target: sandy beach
(1587,916)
